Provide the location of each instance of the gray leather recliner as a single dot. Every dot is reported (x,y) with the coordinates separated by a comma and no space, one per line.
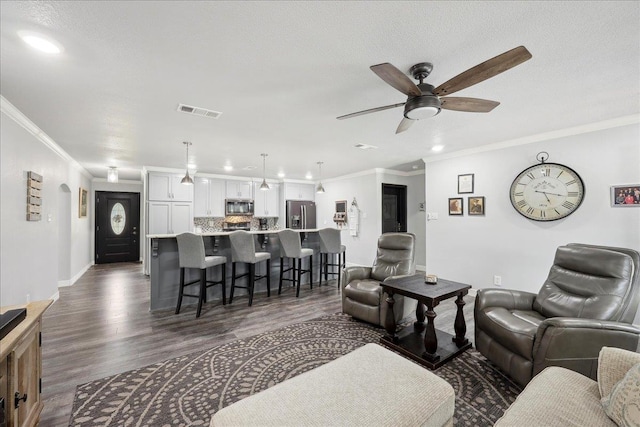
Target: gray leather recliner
(589,300)
(362,295)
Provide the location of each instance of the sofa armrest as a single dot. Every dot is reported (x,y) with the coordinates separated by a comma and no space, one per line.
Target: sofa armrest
(509,299)
(613,364)
(575,343)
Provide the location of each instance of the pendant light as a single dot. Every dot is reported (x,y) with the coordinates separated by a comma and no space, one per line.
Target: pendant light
(112,174)
(320,188)
(187,180)
(264,186)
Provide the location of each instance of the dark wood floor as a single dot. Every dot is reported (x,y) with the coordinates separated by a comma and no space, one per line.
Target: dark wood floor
(102,326)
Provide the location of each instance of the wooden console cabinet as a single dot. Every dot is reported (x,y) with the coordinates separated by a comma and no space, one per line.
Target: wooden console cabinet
(21,369)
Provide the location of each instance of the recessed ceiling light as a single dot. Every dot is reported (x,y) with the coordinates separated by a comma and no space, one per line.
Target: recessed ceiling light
(192,166)
(308,175)
(280,174)
(40,42)
(228,168)
(249,168)
(437,148)
(365,146)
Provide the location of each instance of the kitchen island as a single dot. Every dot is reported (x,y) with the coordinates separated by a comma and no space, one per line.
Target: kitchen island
(165,269)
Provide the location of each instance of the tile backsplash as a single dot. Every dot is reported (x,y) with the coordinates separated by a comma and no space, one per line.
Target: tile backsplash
(210,225)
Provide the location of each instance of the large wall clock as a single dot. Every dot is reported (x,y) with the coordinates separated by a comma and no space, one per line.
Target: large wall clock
(547,191)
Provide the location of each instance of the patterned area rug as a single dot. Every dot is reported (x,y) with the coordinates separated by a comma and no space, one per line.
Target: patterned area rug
(188,390)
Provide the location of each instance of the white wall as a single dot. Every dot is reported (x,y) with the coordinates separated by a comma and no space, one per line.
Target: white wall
(366,188)
(415,218)
(474,249)
(29,250)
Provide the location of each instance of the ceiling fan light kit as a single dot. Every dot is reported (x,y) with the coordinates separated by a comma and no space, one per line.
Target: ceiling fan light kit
(425,101)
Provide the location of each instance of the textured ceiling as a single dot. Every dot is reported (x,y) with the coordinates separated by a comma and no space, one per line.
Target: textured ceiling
(281,72)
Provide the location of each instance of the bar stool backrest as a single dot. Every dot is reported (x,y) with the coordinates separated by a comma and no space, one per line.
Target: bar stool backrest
(191,250)
(243,247)
(329,241)
(290,246)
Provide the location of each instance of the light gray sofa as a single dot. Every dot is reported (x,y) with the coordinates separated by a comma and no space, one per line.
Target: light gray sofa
(561,397)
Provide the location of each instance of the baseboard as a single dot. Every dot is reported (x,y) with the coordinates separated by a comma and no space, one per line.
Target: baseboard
(422,268)
(75,278)
(55,296)
(63,283)
(473,292)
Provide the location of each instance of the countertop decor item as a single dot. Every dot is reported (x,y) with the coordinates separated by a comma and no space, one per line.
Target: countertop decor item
(431,279)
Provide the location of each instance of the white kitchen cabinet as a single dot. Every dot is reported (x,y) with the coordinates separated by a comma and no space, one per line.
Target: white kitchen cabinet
(267,203)
(170,217)
(239,189)
(294,191)
(209,197)
(167,187)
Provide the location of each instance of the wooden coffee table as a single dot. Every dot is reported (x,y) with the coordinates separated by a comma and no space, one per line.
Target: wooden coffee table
(421,342)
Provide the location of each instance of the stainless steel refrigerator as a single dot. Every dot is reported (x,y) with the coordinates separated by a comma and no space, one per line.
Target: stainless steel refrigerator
(301,214)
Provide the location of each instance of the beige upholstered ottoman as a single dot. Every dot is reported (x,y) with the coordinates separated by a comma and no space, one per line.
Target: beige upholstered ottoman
(370,386)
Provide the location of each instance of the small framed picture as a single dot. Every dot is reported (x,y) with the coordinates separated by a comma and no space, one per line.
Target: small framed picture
(82,205)
(465,183)
(624,196)
(456,206)
(476,205)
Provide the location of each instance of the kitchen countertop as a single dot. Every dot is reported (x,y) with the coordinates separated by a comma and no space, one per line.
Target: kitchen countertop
(226,233)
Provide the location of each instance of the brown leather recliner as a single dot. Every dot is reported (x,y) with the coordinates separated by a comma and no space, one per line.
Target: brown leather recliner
(588,301)
(362,295)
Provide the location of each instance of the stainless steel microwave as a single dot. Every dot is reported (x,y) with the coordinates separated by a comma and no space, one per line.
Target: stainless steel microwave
(238,207)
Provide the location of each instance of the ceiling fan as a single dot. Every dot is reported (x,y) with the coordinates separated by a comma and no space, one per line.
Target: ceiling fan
(425,101)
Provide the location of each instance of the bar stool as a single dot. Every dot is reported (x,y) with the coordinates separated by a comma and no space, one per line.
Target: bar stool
(243,250)
(291,248)
(330,245)
(191,254)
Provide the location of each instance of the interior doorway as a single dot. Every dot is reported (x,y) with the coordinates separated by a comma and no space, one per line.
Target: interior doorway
(394,208)
(117,227)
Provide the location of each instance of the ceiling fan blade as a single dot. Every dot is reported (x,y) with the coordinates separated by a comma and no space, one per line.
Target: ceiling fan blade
(484,71)
(471,105)
(404,125)
(396,78)
(371,110)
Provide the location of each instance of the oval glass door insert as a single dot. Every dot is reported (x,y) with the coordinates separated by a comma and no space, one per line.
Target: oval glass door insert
(118,218)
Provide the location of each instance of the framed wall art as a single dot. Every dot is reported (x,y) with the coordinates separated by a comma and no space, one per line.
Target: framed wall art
(83,201)
(456,206)
(465,183)
(476,205)
(627,195)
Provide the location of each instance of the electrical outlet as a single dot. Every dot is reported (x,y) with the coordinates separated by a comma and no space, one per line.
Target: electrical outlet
(497,281)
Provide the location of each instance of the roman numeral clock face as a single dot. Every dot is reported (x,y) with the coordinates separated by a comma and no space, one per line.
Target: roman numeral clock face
(547,192)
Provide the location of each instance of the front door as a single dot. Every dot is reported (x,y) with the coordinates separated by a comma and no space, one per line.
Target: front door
(117,227)
(394,208)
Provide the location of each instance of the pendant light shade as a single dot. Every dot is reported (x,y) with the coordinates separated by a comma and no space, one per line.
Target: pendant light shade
(320,188)
(187,180)
(264,186)
(112,174)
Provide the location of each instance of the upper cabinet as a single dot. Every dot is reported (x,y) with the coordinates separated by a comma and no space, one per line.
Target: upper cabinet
(239,189)
(167,187)
(209,197)
(267,203)
(294,191)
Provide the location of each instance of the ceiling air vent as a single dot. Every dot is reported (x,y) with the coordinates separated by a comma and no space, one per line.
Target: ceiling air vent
(365,146)
(197,111)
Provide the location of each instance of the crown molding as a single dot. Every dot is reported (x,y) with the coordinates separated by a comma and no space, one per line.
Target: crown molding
(17,116)
(576,130)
